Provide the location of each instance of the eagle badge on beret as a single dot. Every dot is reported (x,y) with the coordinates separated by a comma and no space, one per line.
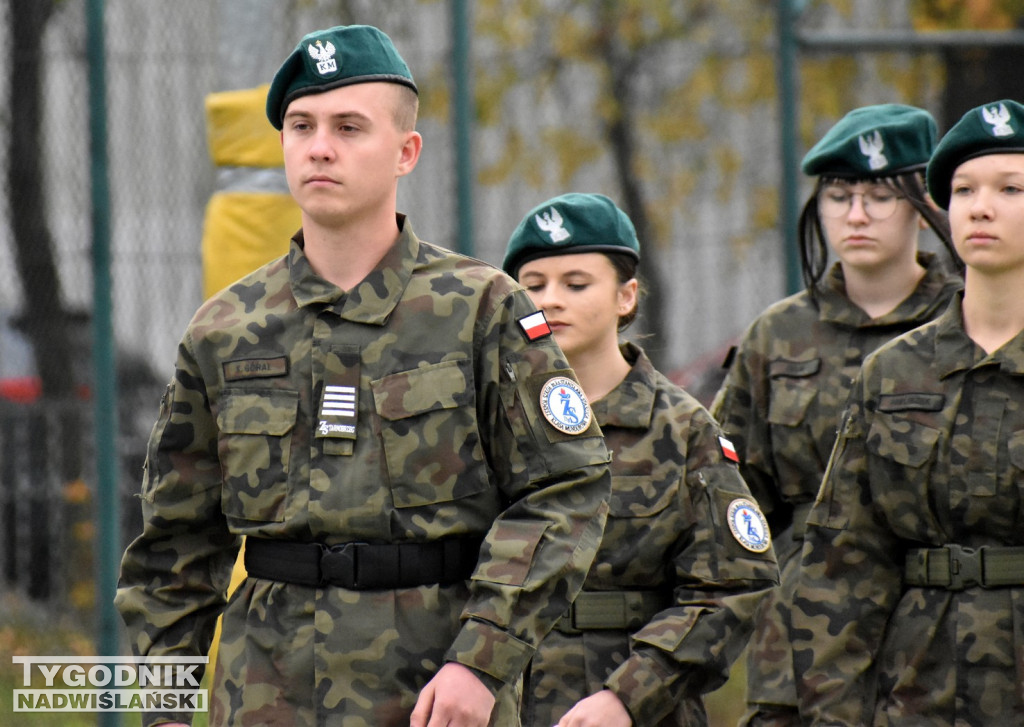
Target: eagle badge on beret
(323,54)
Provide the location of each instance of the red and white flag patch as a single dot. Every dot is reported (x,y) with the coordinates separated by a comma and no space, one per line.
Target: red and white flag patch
(728,450)
(535,326)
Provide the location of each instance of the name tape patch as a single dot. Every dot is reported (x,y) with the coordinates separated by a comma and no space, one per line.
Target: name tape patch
(255,368)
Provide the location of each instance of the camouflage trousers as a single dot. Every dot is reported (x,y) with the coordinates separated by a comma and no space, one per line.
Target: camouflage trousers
(294,656)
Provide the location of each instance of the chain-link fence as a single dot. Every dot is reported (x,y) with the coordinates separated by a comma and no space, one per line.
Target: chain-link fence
(566,99)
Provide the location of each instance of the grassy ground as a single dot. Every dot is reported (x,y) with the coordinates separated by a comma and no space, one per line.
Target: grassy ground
(26,629)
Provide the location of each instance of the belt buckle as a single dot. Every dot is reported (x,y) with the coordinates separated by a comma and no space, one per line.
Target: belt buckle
(965,567)
(339,565)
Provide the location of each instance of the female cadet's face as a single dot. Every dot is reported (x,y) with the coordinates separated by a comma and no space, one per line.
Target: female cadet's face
(986,213)
(869,226)
(581,297)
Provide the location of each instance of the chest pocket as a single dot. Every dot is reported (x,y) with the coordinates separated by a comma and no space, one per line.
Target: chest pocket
(900,455)
(1016,452)
(638,496)
(429,429)
(792,390)
(254,445)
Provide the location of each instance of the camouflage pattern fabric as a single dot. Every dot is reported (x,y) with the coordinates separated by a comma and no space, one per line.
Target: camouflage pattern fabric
(780,404)
(667,529)
(448,441)
(931,453)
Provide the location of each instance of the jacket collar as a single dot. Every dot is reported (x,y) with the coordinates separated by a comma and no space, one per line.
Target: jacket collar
(375,297)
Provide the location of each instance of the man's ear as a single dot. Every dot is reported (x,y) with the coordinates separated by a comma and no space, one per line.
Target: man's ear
(410,152)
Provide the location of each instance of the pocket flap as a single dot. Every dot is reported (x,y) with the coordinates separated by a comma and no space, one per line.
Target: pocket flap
(902,440)
(445,385)
(269,412)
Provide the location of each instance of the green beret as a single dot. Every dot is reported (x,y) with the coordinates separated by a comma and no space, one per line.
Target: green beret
(874,141)
(328,59)
(994,128)
(567,224)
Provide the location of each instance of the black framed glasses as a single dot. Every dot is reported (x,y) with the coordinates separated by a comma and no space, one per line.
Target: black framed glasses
(879,202)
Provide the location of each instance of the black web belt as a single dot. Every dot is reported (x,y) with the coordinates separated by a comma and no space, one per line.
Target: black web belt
(363,566)
(955,567)
(628,610)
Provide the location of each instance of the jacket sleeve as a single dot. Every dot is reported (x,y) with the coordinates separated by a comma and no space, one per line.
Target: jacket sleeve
(850,581)
(688,649)
(175,574)
(555,487)
(741,407)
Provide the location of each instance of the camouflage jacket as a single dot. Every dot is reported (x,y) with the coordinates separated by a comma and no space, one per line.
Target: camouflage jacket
(931,453)
(667,530)
(781,403)
(449,441)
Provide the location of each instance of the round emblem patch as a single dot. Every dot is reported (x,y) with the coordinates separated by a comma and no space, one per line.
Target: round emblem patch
(564,405)
(748,525)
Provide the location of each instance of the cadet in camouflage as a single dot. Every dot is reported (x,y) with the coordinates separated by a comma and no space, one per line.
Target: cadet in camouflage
(366,411)
(668,604)
(908,608)
(783,396)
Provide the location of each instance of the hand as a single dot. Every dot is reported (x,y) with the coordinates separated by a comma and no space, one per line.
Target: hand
(455,697)
(603,709)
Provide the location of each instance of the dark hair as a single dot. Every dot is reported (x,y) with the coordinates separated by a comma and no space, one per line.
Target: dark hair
(811,234)
(625,270)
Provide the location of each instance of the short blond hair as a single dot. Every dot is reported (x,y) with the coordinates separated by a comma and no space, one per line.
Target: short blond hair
(407,108)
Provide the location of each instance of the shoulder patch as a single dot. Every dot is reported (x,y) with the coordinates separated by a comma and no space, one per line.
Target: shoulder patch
(748,525)
(564,405)
(534,326)
(255,368)
(728,450)
(911,402)
(730,356)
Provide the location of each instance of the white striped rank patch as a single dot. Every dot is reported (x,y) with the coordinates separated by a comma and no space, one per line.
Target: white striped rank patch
(338,412)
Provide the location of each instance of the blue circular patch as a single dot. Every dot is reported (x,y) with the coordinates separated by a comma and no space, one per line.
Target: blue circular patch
(749,526)
(564,405)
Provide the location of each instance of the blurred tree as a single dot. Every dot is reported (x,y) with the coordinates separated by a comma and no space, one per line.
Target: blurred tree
(618,82)
(961,14)
(44,318)
(975,75)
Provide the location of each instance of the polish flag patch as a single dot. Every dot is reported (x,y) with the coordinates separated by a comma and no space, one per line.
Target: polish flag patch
(535,326)
(728,450)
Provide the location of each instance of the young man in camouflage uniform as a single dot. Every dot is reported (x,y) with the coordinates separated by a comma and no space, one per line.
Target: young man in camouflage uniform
(782,399)
(366,411)
(910,605)
(668,604)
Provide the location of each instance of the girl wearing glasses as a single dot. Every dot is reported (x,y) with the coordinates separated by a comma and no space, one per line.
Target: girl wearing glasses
(790,377)
(910,603)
